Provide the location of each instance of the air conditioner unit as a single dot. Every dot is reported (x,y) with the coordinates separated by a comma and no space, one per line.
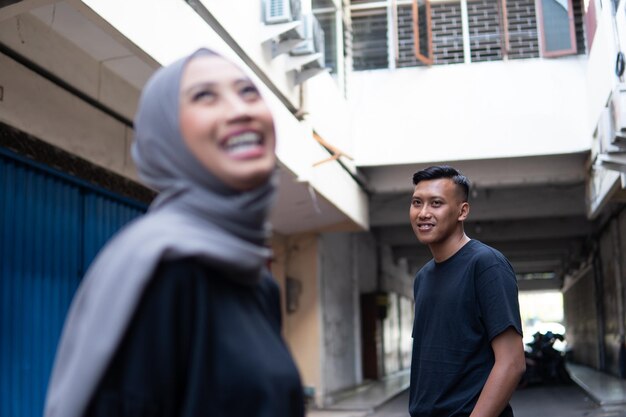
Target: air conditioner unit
(313,35)
(280,11)
(604,134)
(617,109)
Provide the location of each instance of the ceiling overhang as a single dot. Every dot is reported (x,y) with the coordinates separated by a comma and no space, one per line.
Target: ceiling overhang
(532,209)
(68,39)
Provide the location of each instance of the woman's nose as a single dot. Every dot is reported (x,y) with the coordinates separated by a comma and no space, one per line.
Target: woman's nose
(237,108)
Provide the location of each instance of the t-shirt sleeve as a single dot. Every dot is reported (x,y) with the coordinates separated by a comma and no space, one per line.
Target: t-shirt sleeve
(498,299)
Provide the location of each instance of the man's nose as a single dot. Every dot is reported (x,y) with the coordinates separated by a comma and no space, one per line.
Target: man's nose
(424,212)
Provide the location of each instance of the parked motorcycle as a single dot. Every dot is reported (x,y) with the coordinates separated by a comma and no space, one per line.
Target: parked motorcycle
(544,363)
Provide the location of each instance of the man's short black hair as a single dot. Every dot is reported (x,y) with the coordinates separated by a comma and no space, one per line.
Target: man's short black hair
(436,172)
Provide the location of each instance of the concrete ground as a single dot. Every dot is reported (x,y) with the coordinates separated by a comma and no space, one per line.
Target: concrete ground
(592,394)
(560,401)
(552,401)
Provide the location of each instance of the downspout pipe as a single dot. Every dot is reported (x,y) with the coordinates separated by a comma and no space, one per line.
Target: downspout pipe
(619,285)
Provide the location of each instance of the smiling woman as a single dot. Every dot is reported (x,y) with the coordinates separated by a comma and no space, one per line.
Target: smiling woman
(178,315)
(226,123)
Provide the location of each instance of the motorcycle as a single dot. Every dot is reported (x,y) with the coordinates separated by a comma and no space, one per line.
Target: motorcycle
(544,363)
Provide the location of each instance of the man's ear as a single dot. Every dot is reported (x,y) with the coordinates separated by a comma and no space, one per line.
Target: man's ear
(464,211)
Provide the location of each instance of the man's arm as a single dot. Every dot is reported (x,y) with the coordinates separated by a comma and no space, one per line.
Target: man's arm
(509,366)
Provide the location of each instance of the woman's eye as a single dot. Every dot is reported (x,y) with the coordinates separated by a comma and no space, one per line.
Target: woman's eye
(416,203)
(249,92)
(204,95)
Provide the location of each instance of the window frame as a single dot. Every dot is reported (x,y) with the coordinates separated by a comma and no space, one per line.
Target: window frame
(427,60)
(590,22)
(503,15)
(542,33)
(375,7)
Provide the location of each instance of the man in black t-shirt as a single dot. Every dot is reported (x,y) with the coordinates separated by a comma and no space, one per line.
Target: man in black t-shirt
(468,354)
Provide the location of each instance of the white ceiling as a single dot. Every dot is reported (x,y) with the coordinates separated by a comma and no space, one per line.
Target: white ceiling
(76,28)
(298,207)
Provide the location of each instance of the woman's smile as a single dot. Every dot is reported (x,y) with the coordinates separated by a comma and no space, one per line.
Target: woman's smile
(244,145)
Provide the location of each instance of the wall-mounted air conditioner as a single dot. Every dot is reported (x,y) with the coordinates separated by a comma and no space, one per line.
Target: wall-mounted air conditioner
(313,35)
(617,109)
(280,11)
(604,134)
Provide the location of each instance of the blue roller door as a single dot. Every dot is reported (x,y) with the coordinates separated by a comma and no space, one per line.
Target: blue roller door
(51,227)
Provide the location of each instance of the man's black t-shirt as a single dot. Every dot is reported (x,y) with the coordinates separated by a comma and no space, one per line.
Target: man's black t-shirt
(461,304)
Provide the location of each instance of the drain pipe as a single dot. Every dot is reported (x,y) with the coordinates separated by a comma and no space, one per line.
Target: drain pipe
(599,304)
(617,268)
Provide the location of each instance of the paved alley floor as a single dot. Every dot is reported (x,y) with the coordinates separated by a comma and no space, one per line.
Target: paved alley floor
(556,401)
(553,401)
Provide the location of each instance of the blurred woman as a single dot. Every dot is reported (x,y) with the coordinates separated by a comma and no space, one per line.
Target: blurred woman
(178,316)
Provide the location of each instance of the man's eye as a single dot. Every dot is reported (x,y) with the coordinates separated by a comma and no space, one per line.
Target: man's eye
(436,203)
(416,203)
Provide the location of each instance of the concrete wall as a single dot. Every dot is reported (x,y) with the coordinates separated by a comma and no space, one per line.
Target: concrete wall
(614,281)
(397,330)
(340,317)
(600,75)
(594,301)
(366,262)
(581,317)
(612,299)
(295,256)
(32,36)
(481,110)
(350,265)
(601,80)
(377,271)
(36,106)
(324,331)
(595,309)
(407,314)
(397,280)
(396,277)
(391,336)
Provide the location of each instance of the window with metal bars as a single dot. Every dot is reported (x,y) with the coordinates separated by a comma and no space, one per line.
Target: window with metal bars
(498,28)
(369,39)
(404,33)
(327,22)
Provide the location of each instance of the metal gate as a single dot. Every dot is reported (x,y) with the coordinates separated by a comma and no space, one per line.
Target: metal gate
(51,227)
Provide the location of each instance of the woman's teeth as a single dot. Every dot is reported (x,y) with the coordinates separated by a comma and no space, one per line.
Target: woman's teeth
(243,143)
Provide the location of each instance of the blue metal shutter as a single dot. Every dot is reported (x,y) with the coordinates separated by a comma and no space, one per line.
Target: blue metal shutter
(103,217)
(51,227)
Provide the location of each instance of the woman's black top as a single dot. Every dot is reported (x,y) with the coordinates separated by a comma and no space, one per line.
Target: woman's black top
(200,344)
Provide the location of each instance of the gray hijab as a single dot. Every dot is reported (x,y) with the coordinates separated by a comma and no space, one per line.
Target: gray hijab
(195,215)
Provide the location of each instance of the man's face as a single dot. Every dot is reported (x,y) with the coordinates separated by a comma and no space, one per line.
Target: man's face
(437,209)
